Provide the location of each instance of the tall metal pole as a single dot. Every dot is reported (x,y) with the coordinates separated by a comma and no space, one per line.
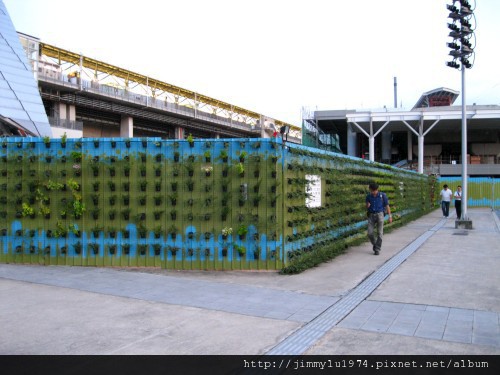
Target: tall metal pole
(464,149)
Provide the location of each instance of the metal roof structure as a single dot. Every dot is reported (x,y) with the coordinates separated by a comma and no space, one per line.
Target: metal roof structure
(441,97)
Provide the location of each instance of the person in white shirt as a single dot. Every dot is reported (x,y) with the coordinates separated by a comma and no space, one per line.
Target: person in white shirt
(458,201)
(445,200)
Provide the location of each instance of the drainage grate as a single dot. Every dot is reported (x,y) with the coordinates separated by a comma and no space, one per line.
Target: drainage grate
(461,233)
(305,337)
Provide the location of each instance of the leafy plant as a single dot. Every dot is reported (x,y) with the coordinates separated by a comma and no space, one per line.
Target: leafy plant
(173,229)
(52,185)
(73,185)
(207,154)
(78,208)
(240,249)
(76,156)
(240,168)
(27,210)
(223,155)
(44,210)
(242,230)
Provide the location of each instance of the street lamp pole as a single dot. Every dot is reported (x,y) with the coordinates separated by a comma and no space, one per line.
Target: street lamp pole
(464,151)
(461,47)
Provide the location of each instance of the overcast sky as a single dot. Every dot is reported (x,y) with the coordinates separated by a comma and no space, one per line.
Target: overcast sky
(275,56)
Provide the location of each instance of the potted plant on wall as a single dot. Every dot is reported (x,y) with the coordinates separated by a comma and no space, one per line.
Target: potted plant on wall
(158,200)
(173,230)
(190,168)
(240,249)
(158,171)
(157,231)
(126,248)
(142,230)
(94,247)
(226,232)
(173,199)
(208,170)
(78,247)
(126,213)
(126,170)
(223,156)
(242,231)
(208,156)
(190,140)
(157,248)
(241,169)
(224,213)
(142,249)
(46,141)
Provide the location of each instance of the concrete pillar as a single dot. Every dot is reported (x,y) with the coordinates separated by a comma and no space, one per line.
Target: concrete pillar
(61,111)
(179,132)
(371,147)
(420,153)
(127,127)
(71,110)
(410,145)
(352,145)
(386,146)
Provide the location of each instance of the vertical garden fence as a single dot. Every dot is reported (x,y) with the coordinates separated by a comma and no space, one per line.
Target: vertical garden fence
(225,204)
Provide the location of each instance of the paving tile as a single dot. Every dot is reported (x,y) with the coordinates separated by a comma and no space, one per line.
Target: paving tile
(461,314)
(369,305)
(402,329)
(412,307)
(429,333)
(352,323)
(434,317)
(377,325)
(438,309)
(390,307)
(485,316)
(455,337)
(484,340)
(277,315)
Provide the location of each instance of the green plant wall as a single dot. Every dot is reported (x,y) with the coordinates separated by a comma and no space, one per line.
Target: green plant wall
(206,204)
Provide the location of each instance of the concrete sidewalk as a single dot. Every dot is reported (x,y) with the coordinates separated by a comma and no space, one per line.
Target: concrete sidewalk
(433,289)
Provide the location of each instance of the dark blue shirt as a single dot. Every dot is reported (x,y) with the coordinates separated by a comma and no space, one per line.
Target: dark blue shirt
(377,203)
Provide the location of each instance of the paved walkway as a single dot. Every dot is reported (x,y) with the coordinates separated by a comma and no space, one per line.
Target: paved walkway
(433,290)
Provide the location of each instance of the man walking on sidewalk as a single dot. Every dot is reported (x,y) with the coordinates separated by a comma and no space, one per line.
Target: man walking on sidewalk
(445,200)
(376,203)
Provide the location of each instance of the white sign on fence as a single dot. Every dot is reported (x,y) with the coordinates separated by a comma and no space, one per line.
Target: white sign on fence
(313,189)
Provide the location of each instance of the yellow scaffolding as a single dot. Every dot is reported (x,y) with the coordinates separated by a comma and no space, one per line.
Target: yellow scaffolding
(89,63)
